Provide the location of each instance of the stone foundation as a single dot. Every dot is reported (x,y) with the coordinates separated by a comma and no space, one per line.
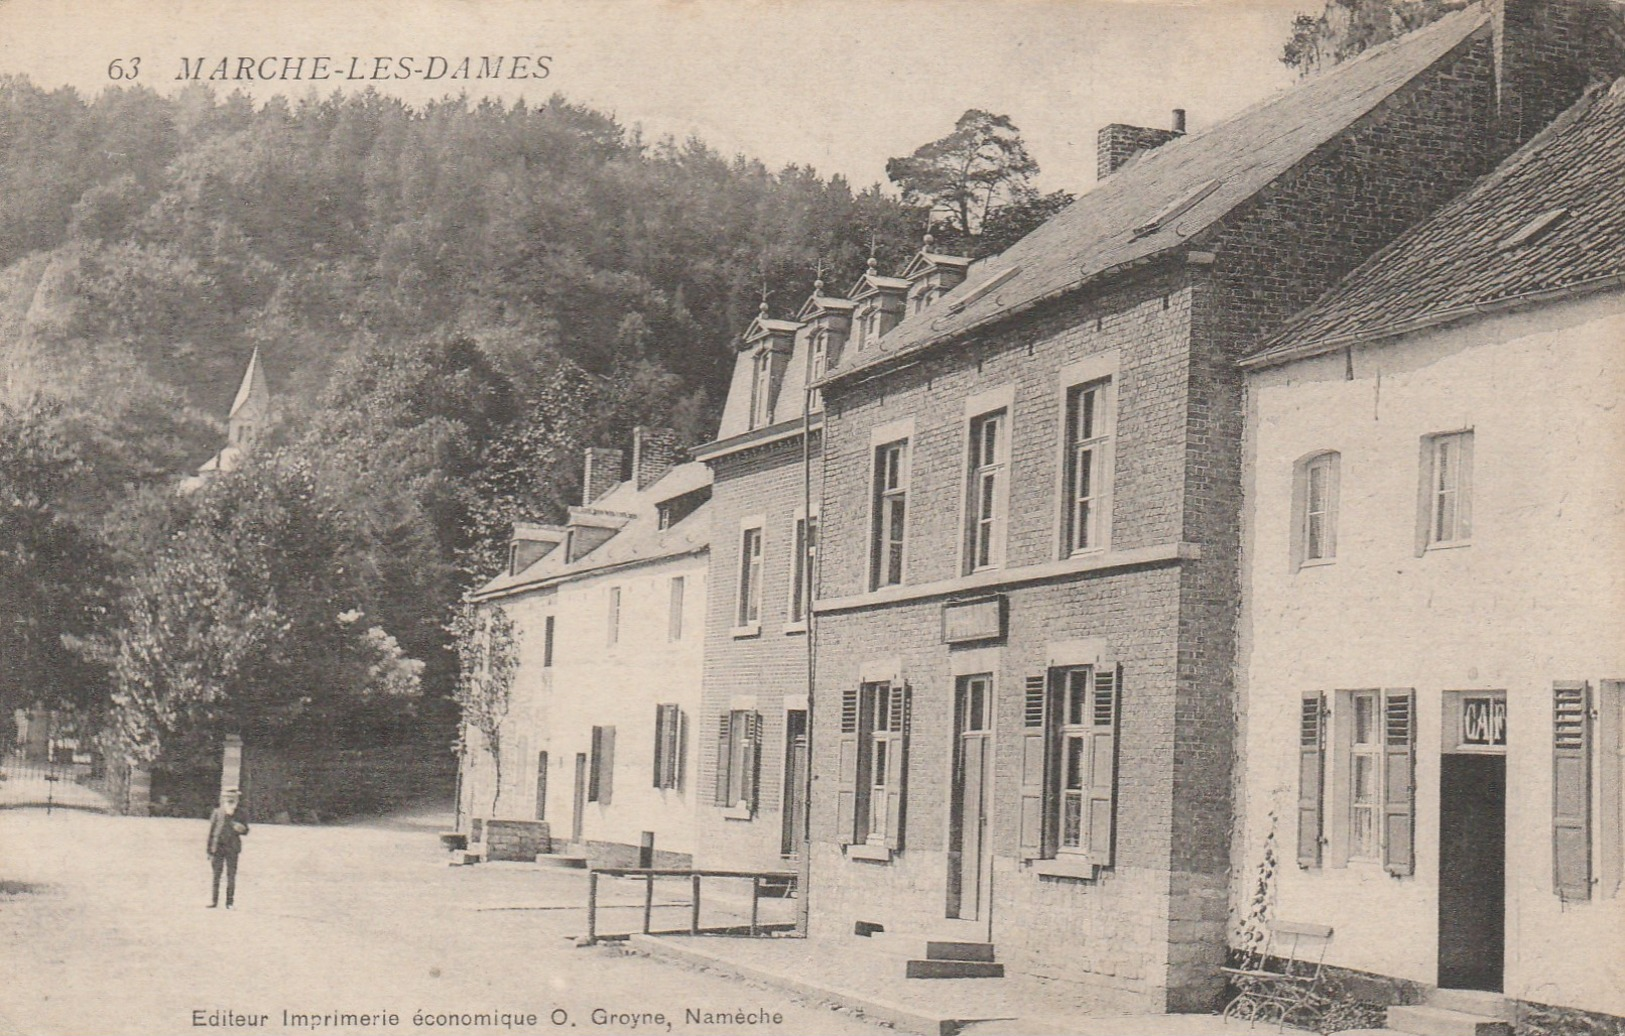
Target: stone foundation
(515,839)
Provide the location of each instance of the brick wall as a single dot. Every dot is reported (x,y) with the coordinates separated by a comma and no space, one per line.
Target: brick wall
(1117,143)
(515,839)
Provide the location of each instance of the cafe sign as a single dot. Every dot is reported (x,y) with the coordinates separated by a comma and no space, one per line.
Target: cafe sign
(1483,722)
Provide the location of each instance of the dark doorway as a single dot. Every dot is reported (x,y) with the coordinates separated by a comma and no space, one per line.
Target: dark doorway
(541,785)
(1472,871)
(580,811)
(795,782)
(967,820)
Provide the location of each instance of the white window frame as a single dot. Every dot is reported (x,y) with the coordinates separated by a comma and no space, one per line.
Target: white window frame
(1098,370)
(1369,752)
(670,731)
(985,501)
(677,601)
(614,617)
(889,496)
(1327,466)
(1445,514)
(803,570)
(761,388)
(817,367)
(748,582)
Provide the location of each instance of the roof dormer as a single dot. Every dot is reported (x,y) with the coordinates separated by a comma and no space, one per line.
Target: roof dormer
(531,542)
(930,275)
(826,322)
(753,395)
(878,305)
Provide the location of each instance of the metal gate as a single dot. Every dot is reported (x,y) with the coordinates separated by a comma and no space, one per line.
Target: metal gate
(53,761)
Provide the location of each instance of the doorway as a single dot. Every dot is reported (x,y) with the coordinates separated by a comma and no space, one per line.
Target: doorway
(579,813)
(541,785)
(1472,871)
(795,782)
(968,866)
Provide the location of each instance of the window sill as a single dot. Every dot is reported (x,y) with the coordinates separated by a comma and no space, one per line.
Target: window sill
(753,629)
(876,853)
(1066,867)
(1449,545)
(1316,563)
(739,812)
(795,627)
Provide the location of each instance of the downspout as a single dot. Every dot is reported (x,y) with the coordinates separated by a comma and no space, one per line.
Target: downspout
(804,869)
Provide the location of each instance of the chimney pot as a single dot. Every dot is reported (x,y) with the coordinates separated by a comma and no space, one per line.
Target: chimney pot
(1179,120)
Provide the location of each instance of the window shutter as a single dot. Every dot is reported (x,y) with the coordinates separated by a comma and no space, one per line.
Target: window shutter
(595,764)
(1034,744)
(1399,782)
(897,767)
(846,791)
(724,753)
(752,755)
(660,747)
(1611,855)
(1102,767)
(1571,789)
(606,768)
(1311,773)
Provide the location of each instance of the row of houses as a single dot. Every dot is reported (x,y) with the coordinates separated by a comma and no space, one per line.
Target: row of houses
(1256,519)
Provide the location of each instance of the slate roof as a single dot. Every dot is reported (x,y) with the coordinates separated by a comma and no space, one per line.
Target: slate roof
(1193,182)
(640,540)
(1551,217)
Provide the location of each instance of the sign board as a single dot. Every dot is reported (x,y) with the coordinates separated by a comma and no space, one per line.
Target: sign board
(1483,721)
(967,621)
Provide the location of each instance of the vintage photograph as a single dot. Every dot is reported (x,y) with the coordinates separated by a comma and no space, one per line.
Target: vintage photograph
(987,517)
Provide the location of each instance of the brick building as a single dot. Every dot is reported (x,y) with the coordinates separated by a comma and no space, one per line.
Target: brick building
(597,744)
(1027,587)
(1432,672)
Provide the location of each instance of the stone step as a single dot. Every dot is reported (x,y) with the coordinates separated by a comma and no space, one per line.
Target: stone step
(950,949)
(562,860)
(1473,1001)
(953,969)
(1425,1020)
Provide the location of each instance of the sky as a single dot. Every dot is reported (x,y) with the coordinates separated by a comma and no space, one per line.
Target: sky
(840,85)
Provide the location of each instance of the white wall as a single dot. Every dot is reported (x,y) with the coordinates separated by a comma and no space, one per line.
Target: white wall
(1538,596)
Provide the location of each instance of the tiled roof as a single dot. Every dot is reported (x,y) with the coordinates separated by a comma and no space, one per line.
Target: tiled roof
(1191,182)
(640,540)
(1551,217)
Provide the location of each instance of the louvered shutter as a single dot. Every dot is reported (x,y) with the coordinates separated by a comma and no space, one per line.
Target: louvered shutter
(1571,790)
(1311,773)
(846,791)
(1399,782)
(595,764)
(606,766)
(724,754)
(660,747)
(1103,706)
(749,759)
(897,767)
(1034,745)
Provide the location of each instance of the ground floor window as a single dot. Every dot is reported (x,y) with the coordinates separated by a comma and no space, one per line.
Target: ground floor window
(873,764)
(738,752)
(1069,764)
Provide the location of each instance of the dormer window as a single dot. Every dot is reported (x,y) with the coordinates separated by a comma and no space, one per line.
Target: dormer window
(819,365)
(761,389)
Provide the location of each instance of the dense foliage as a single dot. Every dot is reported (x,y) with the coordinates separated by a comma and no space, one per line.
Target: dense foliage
(1345,28)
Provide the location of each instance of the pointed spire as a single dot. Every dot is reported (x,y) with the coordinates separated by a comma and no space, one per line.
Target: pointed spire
(253,390)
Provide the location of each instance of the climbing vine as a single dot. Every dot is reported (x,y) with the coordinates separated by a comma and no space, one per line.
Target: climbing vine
(487,657)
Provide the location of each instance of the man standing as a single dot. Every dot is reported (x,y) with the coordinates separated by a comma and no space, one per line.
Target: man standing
(226,830)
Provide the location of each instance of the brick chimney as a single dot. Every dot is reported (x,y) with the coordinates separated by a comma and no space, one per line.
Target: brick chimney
(1117,143)
(1546,53)
(603,473)
(654,452)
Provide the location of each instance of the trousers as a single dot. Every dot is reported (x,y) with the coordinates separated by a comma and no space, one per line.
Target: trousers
(228,863)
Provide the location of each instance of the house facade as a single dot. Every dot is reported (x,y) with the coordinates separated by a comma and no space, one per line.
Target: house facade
(1431,674)
(608,613)
(1027,583)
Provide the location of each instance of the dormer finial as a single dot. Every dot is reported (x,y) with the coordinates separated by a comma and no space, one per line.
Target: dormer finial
(874,264)
(818,284)
(763,309)
(929,241)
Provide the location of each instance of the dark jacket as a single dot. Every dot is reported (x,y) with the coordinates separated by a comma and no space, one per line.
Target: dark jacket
(224,839)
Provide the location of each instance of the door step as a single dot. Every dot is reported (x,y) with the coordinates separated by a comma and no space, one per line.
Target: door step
(953,969)
(951,949)
(1473,1001)
(568,861)
(1428,1020)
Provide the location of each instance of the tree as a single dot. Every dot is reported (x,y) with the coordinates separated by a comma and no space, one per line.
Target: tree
(1345,28)
(488,657)
(1008,224)
(983,163)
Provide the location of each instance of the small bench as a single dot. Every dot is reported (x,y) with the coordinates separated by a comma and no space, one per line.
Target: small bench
(1284,979)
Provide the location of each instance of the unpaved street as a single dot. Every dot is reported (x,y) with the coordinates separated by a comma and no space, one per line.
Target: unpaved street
(104,928)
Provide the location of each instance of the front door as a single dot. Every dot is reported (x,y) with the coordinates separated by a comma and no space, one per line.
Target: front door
(541,785)
(973,773)
(795,782)
(1472,871)
(580,811)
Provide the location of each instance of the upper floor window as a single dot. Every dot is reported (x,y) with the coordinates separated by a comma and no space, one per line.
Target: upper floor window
(801,563)
(890,508)
(1089,422)
(1315,495)
(989,463)
(547,641)
(749,610)
(819,367)
(674,618)
(1448,488)
(761,394)
(614,614)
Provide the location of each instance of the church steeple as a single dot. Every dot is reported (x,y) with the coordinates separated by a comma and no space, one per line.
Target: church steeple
(252,407)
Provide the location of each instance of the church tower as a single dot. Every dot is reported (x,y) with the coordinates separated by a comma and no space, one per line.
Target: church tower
(251,409)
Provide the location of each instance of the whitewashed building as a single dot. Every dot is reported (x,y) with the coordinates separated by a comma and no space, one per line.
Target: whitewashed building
(1432,659)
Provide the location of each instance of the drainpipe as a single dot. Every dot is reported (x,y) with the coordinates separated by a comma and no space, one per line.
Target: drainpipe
(804,867)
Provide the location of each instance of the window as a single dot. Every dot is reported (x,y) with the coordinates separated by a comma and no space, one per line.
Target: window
(802,562)
(737,753)
(761,412)
(1315,495)
(890,514)
(873,765)
(820,366)
(1088,466)
(668,759)
(1069,760)
(1371,779)
(601,772)
(1447,491)
(614,615)
(749,611)
(547,641)
(989,454)
(674,621)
